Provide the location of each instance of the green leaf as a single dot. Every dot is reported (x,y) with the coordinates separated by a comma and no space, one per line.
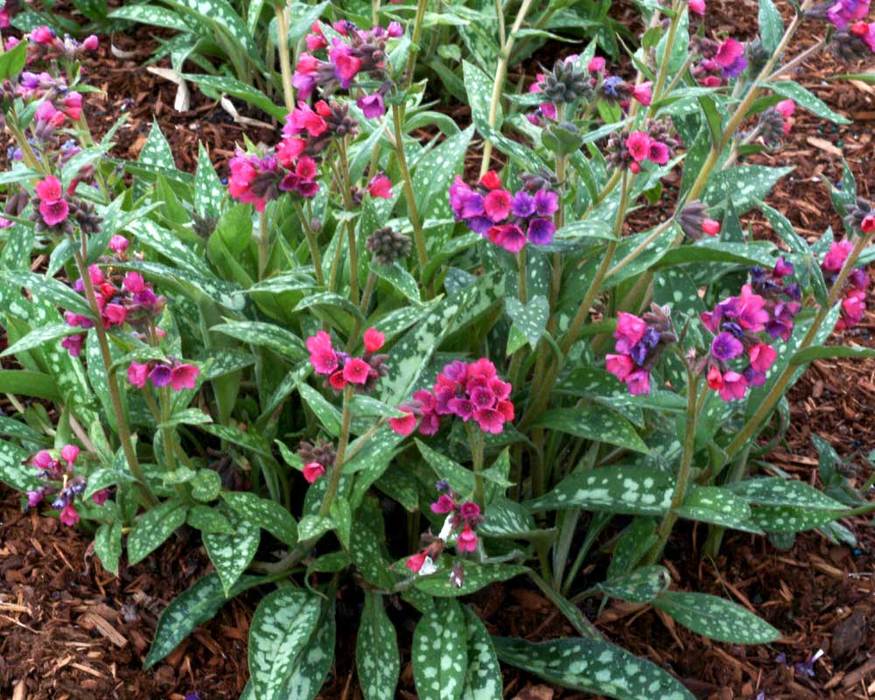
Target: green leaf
(376,657)
(251,441)
(504,518)
(399,278)
(475,576)
(744,186)
(825,352)
(594,423)
(267,335)
(341,518)
(806,99)
(188,610)
(152,15)
(777,491)
(12,62)
(479,88)
(329,417)
(460,478)
(283,623)
(39,337)
(156,151)
(716,618)
(51,289)
(531,319)
(108,545)
(314,663)
(717,505)
(231,554)
(771,26)
(22,382)
(14,470)
(631,490)
(208,519)
(483,680)
(313,526)
(641,586)
(208,189)
(206,485)
(791,519)
(264,513)
(439,653)
(592,666)
(153,527)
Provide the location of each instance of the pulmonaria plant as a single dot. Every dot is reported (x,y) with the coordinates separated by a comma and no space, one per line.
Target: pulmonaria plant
(466,390)
(509,220)
(343,369)
(639,344)
(56,469)
(853,304)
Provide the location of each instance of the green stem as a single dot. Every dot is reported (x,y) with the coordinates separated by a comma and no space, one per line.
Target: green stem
(342,443)
(124,432)
(313,245)
(370,283)
(263,244)
(498,83)
(780,386)
(662,73)
(414,42)
(476,443)
(683,478)
(409,195)
(715,532)
(349,205)
(282,28)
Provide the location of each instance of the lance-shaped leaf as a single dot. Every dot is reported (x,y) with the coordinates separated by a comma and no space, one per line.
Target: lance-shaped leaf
(266,335)
(474,577)
(716,618)
(483,680)
(283,623)
(592,666)
(153,527)
(790,519)
(376,656)
(641,586)
(593,423)
(717,505)
(13,468)
(108,545)
(439,653)
(776,491)
(314,663)
(265,513)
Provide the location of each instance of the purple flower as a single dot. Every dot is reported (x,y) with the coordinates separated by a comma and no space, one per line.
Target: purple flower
(372,105)
(523,204)
(541,231)
(726,347)
(160,375)
(546,202)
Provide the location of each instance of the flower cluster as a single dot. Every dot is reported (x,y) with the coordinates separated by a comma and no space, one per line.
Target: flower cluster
(854,36)
(720,62)
(737,324)
(53,207)
(60,482)
(317,458)
(354,52)
(134,302)
(695,222)
(342,368)
(630,150)
(508,220)
(462,519)
(776,123)
(45,44)
(854,299)
(470,391)
(639,343)
(782,297)
(173,373)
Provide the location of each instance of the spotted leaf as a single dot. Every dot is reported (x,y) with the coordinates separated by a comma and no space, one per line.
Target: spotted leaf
(716,618)
(439,653)
(376,657)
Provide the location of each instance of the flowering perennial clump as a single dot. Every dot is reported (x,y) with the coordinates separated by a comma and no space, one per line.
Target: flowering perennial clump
(630,149)
(509,220)
(341,368)
(640,341)
(470,391)
(56,470)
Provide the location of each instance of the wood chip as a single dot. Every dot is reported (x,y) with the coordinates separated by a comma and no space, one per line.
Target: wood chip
(93,621)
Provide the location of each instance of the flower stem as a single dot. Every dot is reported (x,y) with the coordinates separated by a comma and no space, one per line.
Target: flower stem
(683,478)
(475,441)
(282,30)
(500,76)
(124,432)
(414,42)
(342,443)
(263,244)
(780,386)
(409,196)
(662,73)
(313,245)
(349,205)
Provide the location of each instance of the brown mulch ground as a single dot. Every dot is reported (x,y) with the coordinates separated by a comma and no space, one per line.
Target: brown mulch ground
(70,630)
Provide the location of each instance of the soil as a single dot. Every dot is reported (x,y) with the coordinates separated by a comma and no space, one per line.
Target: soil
(68,629)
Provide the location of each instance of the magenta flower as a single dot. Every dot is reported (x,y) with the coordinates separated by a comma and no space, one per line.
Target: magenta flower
(466,541)
(322,355)
(638,143)
(497,205)
(70,453)
(138,374)
(73,344)
(346,66)
(734,386)
(697,7)
(356,371)
(835,257)
(312,472)
(373,340)
(69,516)
(659,152)
(118,244)
(508,236)
(380,186)
(643,93)
(638,382)
(596,64)
(443,505)
(54,212)
(183,376)
(304,119)
(845,12)
(621,366)
(42,35)
(630,330)
(372,106)
(406,424)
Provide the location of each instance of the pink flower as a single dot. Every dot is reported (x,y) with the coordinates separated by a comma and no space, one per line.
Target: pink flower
(380,186)
(697,7)
(118,244)
(395,30)
(356,371)
(643,93)
(289,149)
(312,472)
(322,355)
(659,153)
(620,366)
(443,505)
(405,425)
(336,380)
(508,236)
(54,212)
(715,378)
(491,180)
(466,540)
(638,382)
(73,344)
(868,224)
(490,420)
(114,314)
(470,512)
(346,66)
(786,108)
(596,64)
(630,329)
(70,453)
(372,106)
(91,42)
(183,376)
(711,227)
(303,118)
(866,32)
(415,562)
(729,52)
(49,189)
(734,386)
(99,497)
(373,340)
(42,35)
(497,205)
(43,459)
(68,515)
(835,257)
(638,143)
(762,357)
(47,113)
(73,105)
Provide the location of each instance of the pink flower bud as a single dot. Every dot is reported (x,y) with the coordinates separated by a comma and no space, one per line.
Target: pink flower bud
(91,43)
(69,453)
(373,340)
(313,471)
(118,244)
(69,516)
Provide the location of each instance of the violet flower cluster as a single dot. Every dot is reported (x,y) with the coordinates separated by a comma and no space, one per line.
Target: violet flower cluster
(509,220)
(720,61)
(467,390)
(56,470)
(854,295)
(854,36)
(639,343)
(739,356)
(460,523)
(341,368)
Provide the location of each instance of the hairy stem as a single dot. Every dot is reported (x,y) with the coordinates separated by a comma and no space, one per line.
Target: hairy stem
(414,41)
(342,443)
(409,195)
(282,30)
